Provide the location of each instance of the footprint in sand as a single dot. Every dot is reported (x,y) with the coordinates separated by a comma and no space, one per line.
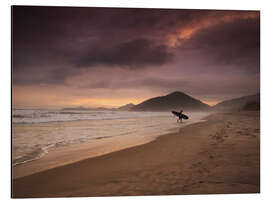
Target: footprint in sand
(257,130)
(239,132)
(195,165)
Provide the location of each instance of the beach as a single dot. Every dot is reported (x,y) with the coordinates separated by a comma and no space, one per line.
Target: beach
(45,139)
(218,156)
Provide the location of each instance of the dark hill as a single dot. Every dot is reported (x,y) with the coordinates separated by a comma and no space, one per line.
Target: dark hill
(252,106)
(238,103)
(126,107)
(173,101)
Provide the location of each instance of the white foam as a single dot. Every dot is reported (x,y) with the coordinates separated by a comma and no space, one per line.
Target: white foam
(37,135)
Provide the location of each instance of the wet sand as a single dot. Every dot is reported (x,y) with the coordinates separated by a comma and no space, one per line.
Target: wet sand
(219,156)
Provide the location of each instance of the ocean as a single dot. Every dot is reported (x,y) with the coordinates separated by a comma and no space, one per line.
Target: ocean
(37,132)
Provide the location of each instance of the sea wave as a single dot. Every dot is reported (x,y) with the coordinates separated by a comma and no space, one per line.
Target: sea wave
(36,152)
(32,117)
(31,156)
(33,142)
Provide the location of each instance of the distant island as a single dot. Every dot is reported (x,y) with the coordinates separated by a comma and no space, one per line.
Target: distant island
(81,108)
(126,107)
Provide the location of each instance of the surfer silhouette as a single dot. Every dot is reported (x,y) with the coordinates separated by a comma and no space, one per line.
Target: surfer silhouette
(180,115)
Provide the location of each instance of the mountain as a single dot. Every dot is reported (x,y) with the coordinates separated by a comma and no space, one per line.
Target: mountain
(126,107)
(238,103)
(173,101)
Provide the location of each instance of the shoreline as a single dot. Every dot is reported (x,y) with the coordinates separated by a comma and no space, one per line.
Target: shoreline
(73,153)
(173,163)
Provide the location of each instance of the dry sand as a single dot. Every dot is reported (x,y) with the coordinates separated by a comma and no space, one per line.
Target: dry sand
(221,155)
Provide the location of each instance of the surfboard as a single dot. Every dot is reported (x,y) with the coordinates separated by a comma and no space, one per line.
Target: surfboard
(183,116)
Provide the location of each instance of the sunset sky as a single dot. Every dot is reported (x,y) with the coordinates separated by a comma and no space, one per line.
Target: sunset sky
(109,57)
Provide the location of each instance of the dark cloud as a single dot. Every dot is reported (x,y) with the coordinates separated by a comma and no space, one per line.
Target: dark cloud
(38,76)
(51,45)
(234,43)
(137,53)
(46,38)
(147,82)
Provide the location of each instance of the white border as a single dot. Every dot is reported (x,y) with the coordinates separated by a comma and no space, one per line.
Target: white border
(195,4)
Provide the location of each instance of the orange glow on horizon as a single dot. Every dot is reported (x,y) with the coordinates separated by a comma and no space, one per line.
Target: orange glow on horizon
(211,103)
(27,97)
(104,102)
(60,97)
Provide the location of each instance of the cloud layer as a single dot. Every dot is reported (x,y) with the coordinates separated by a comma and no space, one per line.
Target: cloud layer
(210,54)
(137,53)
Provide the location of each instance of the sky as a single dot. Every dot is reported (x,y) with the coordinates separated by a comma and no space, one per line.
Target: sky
(108,57)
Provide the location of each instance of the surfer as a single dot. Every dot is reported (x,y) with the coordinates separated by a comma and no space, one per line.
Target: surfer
(180,115)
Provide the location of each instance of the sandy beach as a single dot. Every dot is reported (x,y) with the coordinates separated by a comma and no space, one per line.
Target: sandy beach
(218,156)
